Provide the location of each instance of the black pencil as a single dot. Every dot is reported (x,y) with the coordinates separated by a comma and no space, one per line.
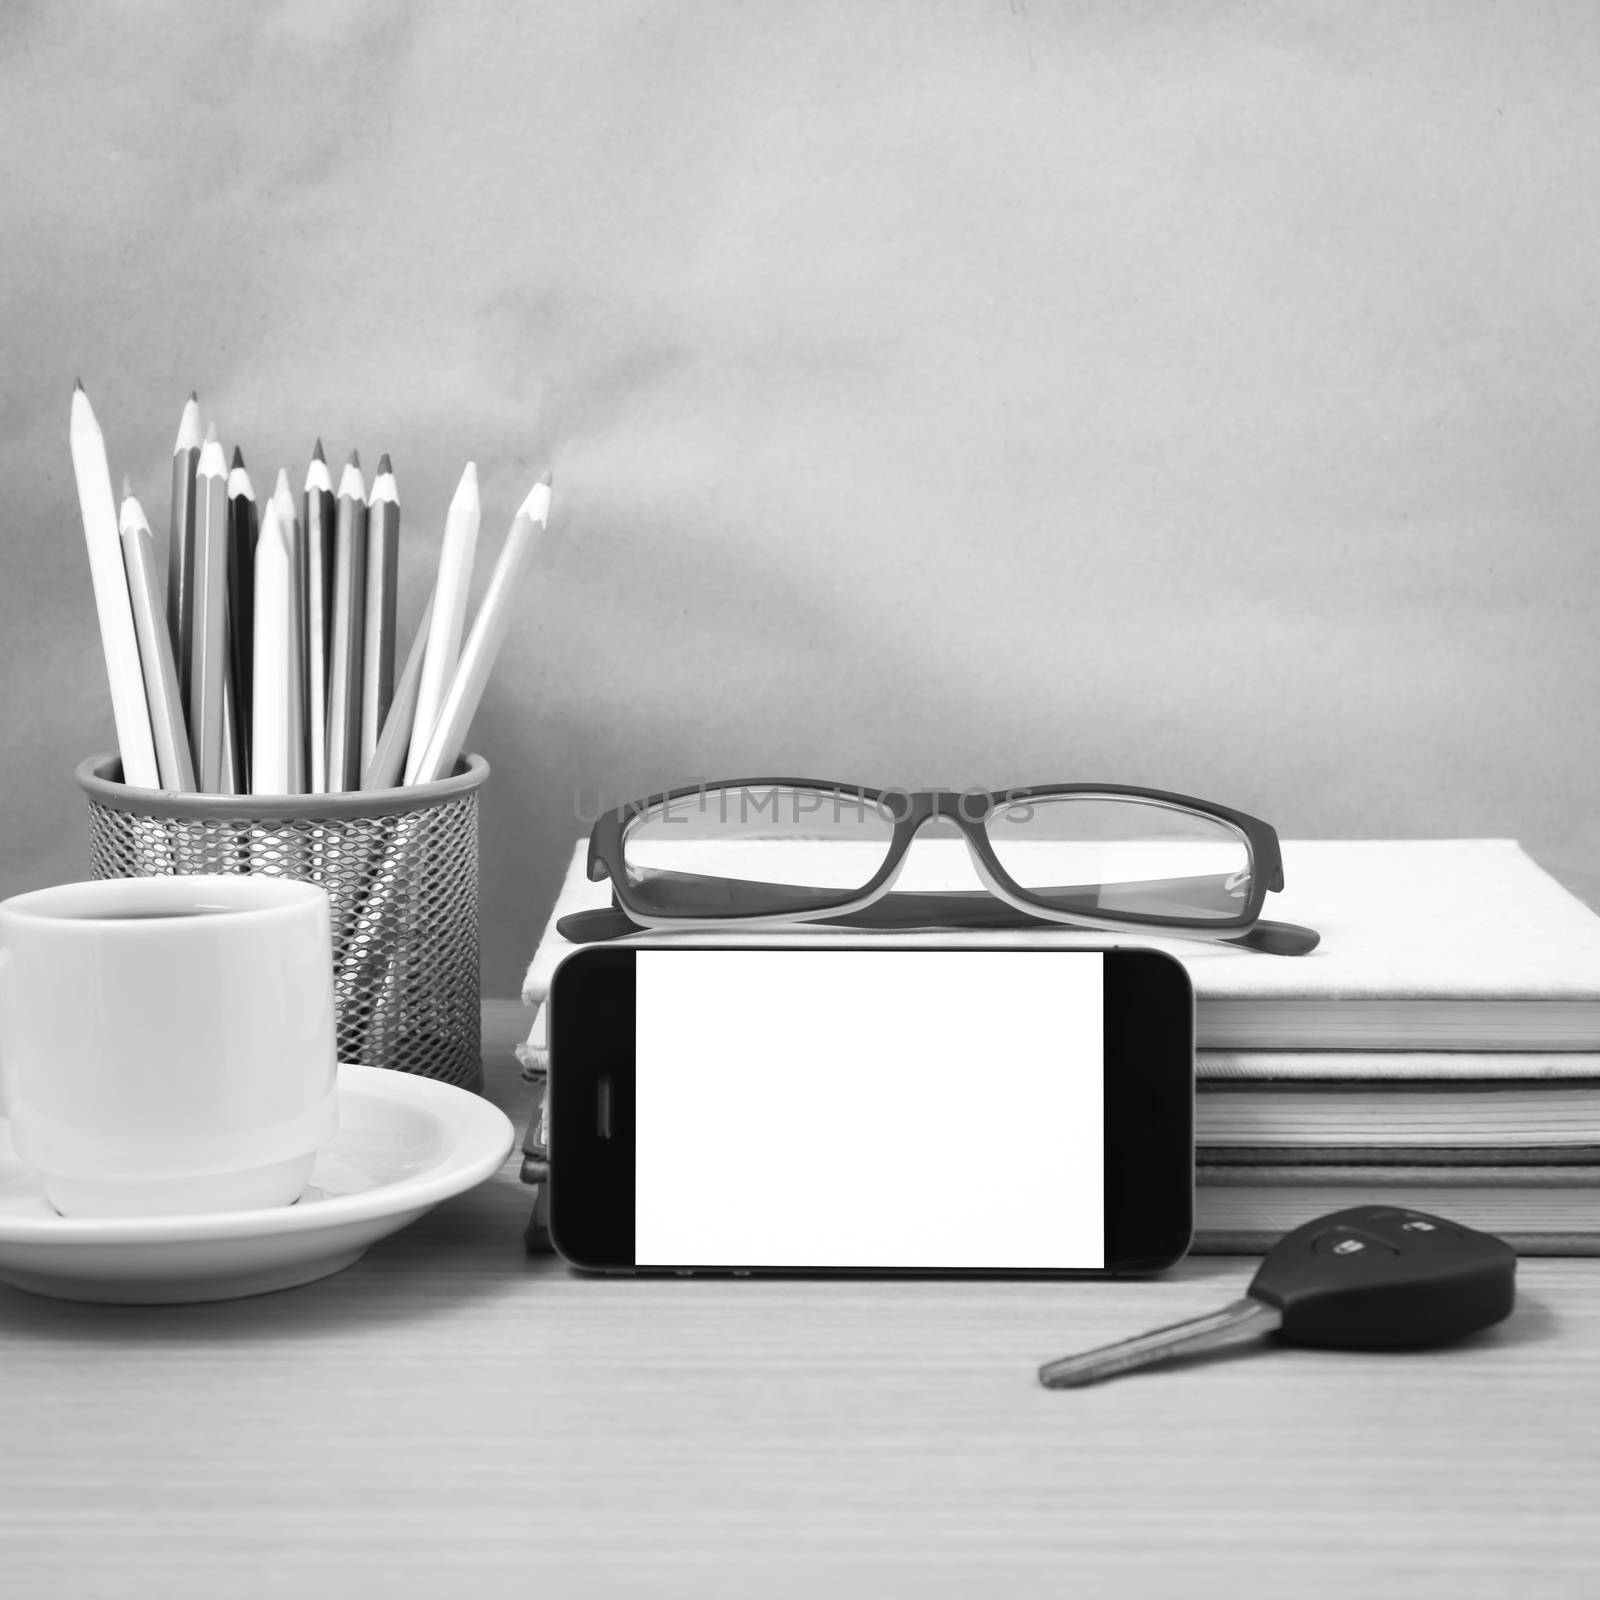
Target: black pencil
(243,529)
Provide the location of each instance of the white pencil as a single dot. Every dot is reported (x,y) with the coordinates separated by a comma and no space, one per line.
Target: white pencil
(348,631)
(180,537)
(316,530)
(163,698)
(378,622)
(117,638)
(483,643)
(271,724)
(449,613)
(283,496)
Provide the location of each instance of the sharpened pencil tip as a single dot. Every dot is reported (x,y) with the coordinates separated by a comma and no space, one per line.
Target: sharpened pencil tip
(188,427)
(317,455)
(537,505)
(211,433)
(383,463)
(546,480)
(465,498)
(77,385)
(194,397)
(355,459)
(238,457)
(127,488)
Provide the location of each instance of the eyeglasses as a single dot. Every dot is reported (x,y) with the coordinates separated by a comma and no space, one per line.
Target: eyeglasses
(766,852)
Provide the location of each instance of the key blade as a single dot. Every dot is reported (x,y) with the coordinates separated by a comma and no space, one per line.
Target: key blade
(1243,1319)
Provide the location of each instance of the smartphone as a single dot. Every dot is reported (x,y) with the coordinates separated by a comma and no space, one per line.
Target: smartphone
(871,1110)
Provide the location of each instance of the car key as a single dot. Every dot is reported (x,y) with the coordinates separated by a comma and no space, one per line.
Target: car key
(1370,1278)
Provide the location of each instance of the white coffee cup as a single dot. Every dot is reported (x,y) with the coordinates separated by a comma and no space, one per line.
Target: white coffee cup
(167,1044)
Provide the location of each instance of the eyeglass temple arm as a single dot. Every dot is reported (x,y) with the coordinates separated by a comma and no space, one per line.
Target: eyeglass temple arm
(973,909)
(1278,939)
(697,895)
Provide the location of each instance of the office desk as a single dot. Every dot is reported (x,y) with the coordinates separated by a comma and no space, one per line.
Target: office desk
(449,1417)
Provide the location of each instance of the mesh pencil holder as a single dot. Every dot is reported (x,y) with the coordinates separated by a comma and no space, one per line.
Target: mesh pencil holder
(401,870)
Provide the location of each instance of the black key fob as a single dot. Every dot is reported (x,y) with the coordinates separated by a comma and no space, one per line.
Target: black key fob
(1380,1278)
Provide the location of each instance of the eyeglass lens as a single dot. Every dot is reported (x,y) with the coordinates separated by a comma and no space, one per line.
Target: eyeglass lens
(1123,854)
(751,848)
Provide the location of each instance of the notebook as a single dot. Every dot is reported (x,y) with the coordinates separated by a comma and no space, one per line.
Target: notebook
(1438,945)
(1539,1210)
(1532,1113)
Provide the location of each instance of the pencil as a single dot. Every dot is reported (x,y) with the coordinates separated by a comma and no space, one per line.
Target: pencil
(168,729)
(449,612)
(243,530)
(387,765)
(345,650)
(180,538)
(229,781)
(483,643)
(383,556)
(273,726)
(317,536)
(289,521)
(117,638)
(208,670)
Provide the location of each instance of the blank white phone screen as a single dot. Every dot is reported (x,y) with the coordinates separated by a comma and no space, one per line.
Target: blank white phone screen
(935,1109)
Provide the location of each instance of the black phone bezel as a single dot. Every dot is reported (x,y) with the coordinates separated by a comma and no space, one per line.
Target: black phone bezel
(1148,1116)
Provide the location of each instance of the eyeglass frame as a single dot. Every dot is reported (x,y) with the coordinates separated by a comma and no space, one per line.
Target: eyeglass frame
(919,807)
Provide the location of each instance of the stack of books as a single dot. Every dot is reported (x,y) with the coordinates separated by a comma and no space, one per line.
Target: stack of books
(1439,1050)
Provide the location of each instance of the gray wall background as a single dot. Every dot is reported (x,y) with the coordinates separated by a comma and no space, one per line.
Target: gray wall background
(1203,395)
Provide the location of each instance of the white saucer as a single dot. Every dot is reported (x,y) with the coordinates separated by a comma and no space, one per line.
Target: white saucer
(404,1144)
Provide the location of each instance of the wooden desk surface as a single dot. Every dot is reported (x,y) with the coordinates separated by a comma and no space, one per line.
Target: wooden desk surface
(449,1417)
